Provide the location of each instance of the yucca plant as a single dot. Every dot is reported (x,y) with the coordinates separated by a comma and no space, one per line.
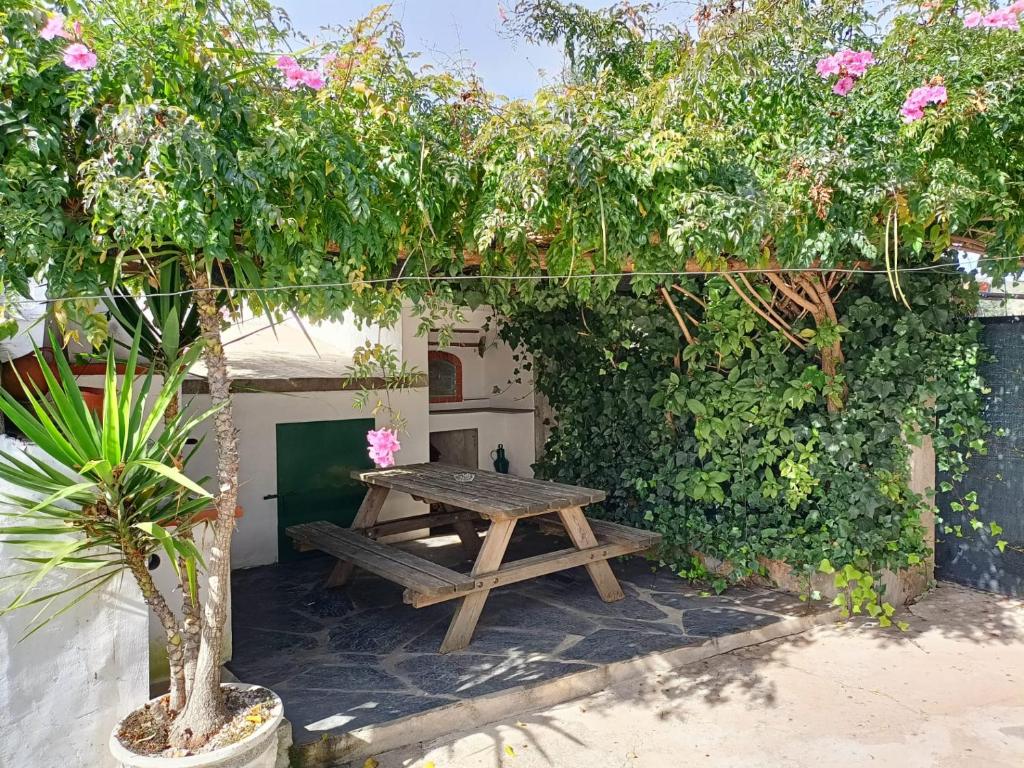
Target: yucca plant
(164,311)
(103,492)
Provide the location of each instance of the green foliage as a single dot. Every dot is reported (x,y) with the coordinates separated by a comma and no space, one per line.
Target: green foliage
(733,453)
(184,143)
(163,311)
(104,492)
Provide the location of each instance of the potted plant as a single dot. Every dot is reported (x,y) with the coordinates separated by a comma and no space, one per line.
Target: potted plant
(113,493)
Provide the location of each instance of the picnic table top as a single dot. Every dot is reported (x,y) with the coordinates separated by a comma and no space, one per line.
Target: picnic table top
(491,494)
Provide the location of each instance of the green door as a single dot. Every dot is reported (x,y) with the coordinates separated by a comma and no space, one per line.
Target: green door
(314,461)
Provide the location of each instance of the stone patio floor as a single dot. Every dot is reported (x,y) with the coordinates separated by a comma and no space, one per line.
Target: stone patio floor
(342,659)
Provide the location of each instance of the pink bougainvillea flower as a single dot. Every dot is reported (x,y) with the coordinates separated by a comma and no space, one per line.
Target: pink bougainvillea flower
(972,19)
(383,443)
(828,66)
(843,86)
(285,63)
(313,79)
(77,56)
(330,58)
(1017,7)
(54,27)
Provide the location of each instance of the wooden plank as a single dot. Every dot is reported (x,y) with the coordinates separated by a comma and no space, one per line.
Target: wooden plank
(417,522)
(199,386)
(582,536)
(476,487)
(489,493)
(530,496)
(366,516)
(524,485)
(462,498)
(481,495)
(533,567)
(515,504)
(375,549)
(608,531)
(393,564)
(467,613)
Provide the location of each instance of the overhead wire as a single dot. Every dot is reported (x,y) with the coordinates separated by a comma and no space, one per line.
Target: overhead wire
(940,267)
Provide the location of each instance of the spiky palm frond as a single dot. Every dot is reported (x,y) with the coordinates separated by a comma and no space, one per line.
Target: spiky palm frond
(97,491)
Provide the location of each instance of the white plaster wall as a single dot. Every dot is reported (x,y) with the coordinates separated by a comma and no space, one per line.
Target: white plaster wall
(63,689)
(513,430)
(481,376)
(256,416)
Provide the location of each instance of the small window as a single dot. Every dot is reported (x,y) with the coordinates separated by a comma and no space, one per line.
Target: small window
(444,377)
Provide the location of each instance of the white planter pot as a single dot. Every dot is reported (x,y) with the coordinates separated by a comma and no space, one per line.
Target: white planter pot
(257,751)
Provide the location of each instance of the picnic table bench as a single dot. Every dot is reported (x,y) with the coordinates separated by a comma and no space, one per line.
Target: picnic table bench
(501,500)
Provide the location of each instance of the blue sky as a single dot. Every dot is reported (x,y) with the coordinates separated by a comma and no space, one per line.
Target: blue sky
(447,31)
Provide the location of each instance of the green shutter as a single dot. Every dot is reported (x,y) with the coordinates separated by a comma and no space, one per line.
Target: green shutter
(314,461)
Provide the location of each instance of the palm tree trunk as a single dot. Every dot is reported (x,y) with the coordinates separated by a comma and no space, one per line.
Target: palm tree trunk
(137,565)
(204,711)
(192,619)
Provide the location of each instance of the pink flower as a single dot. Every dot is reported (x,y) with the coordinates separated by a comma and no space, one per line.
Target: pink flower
(330,58)
(1003,18)
(911,113)
(919,98)
(293,77)
(54,28)
(937,94)
(860,61)
(1017,7)
(828,66)
(843,86)
(77,56)
(77,27)
(972,19)
(383,445)
(313,79)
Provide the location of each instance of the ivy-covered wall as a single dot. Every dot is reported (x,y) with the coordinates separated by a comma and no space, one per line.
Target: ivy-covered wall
(727,446)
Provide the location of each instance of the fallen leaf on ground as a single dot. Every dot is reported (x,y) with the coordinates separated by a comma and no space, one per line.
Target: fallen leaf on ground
(370,763)
(509,751)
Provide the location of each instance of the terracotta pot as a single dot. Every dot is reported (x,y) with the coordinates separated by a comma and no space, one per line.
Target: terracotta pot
(258,750)
(93,397)
(28,369)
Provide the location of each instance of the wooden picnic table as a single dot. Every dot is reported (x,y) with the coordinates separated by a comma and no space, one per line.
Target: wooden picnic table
(502,500)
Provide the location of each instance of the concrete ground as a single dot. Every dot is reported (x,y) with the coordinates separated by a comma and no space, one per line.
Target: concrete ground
(948,692)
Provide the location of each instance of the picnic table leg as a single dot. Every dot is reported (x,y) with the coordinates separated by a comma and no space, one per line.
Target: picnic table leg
(467,613)
(367,515)
(468,536)
(582,536)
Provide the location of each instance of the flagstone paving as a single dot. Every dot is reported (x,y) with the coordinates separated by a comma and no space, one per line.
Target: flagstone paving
(346,658)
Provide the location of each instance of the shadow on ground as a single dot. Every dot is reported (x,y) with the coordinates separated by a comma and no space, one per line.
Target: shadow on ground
(949,627)
(343,659)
